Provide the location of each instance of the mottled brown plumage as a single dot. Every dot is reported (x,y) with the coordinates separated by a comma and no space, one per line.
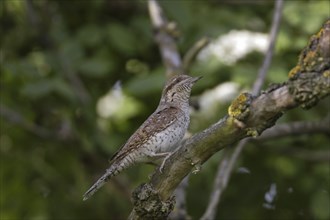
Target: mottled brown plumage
(159,135)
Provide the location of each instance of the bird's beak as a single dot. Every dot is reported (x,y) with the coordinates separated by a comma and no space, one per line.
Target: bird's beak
(195,79)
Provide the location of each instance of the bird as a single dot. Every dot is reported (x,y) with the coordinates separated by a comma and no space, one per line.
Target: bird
(158,136)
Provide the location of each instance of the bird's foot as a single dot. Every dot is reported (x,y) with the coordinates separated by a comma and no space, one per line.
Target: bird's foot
(164,161)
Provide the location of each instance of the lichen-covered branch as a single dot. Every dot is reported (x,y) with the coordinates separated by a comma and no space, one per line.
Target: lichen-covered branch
(247,116)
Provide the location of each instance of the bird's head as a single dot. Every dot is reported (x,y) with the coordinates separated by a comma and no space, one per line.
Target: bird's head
(178,88)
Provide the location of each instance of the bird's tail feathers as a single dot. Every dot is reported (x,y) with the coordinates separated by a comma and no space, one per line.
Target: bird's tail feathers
(100,182)
(111,172)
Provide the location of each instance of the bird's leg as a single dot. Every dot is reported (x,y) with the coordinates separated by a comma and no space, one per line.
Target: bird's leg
(163,163)
(164,155)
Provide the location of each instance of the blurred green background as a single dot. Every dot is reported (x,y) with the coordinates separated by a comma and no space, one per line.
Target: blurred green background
(64,113)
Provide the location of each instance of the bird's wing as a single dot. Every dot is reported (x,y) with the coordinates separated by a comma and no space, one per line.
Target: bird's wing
(156,122)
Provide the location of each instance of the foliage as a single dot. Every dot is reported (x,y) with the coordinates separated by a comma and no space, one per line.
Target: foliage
(59,58)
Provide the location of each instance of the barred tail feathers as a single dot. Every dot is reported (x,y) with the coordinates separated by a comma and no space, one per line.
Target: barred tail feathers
(111,172)
(100,182)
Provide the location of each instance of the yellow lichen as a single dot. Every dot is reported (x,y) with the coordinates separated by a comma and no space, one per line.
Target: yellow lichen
(294,71)
(309,57)
(252,132)
(326,73)
(238,105)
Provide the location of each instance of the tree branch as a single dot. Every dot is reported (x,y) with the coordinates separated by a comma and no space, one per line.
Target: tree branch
(247,116)
(164,32)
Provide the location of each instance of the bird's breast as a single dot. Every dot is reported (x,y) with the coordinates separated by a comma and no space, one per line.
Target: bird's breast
(168,139)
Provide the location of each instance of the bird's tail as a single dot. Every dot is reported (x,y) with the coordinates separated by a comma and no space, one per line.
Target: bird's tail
(114,169)
(100,182)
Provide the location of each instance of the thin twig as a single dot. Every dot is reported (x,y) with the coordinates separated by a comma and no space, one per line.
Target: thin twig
(225,168)
(270,51)
(180,210)
(217,187)
(190,56)
(296,128)
(231,155)
(310,155)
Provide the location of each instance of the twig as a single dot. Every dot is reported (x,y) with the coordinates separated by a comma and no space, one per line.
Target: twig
(311,155)
(168,49)
(296,128)
(190,56)
(222,178)
(217,187)
(224,171)
(268,57)
(180,211)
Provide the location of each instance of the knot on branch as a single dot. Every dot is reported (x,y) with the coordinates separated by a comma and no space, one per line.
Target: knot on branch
(309,88)
(148,205)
